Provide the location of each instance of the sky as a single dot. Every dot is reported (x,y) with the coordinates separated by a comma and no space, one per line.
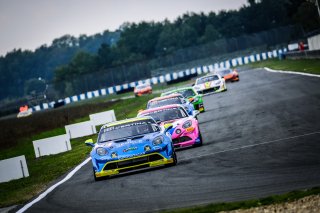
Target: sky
(28,24)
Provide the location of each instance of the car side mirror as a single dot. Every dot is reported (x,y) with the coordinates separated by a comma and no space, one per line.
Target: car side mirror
(167,127)
(89,142)
(192,84)
(195,113)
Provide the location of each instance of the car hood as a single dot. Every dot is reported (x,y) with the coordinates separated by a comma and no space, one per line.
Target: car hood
(129,147)
(209,84)
(174,123)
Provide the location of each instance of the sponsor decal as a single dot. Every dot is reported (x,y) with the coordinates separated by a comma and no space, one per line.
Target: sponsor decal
(131,156)
(207,85)
(157,148)
(130,149)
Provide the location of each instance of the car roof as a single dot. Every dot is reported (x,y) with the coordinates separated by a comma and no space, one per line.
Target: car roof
(126,121)
(210,74)
(166,97)
(144,84)
(159,108)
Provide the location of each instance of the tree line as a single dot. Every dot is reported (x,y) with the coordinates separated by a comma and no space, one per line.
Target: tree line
(68,56)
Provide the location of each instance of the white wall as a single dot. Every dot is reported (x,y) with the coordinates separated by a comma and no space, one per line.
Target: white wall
(80,129)
(103,117)
(13,168)
(314,42)
(52,145)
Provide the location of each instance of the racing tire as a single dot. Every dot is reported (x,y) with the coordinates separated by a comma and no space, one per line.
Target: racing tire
(201,140)
(175,161)
(95,177)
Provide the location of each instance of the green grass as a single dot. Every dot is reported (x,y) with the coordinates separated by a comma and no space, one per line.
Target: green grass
(43,171)
(217,207)
(302,65)
(46,169)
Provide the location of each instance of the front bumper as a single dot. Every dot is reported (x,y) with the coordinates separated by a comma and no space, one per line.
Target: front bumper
(236,78)
(215,89)
(131,164)
(199,106)
(140,93)
(186,139)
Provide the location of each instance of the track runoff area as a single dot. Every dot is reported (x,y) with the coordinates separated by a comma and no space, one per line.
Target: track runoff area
(261,137)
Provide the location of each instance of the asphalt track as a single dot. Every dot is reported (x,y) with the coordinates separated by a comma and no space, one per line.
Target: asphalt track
(261,137)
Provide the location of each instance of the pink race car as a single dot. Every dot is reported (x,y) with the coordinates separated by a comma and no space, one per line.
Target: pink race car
(184,128)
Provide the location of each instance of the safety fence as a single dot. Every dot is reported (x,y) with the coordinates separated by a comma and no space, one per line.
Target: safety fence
(165,78)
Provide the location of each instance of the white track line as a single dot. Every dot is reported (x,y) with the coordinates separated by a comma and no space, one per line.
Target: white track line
(41,196)
(253,145)
(54,186)
(291,72)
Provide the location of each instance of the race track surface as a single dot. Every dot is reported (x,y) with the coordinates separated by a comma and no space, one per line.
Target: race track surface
(261,137)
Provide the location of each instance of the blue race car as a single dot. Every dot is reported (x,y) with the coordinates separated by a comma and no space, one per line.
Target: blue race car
(172,99)
(130,144)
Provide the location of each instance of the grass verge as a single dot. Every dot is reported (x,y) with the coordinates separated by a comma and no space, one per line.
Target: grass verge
(291,196)
(302,65)
(46,169)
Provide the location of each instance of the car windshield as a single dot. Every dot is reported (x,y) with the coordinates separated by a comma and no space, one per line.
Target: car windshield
(164,102)
(187,93)
(184,92)
(207,79)
(127,130)
(167,114)
(224,72)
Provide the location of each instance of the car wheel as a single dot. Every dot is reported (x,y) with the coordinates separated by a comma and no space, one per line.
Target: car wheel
(200,137)
(175,161)
(95,177)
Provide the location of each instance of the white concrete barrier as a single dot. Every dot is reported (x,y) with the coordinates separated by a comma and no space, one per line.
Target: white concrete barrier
(314,42)
(199,71)
(51,146)
(103,117)
(13,168)
(175,75)
(80,129)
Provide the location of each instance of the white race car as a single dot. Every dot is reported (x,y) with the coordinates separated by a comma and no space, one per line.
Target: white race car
(210,83)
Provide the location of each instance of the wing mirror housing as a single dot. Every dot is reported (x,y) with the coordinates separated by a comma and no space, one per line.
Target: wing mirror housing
(89,142)
(195,113)
(167,127)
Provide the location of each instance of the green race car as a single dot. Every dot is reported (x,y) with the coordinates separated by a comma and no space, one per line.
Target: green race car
(191,95)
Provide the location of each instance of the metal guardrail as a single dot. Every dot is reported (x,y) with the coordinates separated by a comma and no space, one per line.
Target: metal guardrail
(307,54)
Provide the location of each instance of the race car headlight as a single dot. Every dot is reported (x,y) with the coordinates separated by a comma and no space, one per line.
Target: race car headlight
(157,141)
(101,151)
(186,124)
(178,131)
(218,82)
